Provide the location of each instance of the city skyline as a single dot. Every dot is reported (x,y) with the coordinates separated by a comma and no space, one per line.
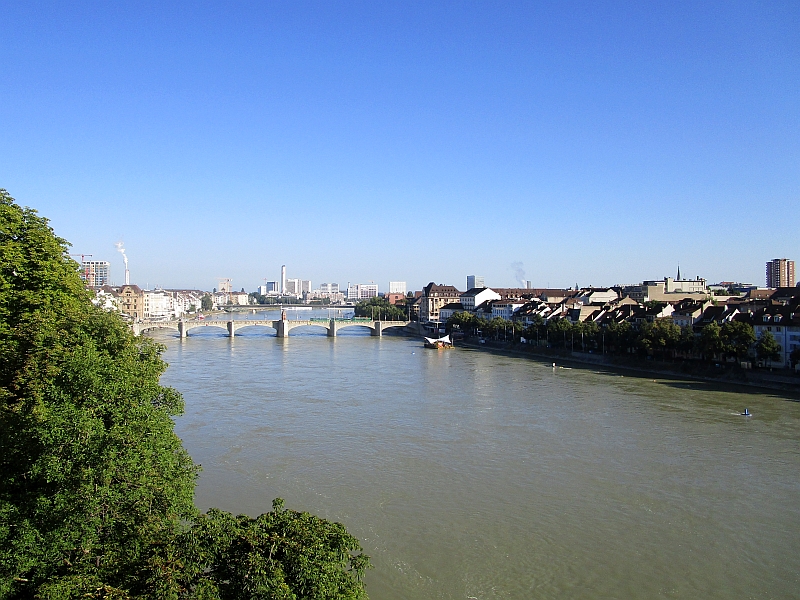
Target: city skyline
(591,144)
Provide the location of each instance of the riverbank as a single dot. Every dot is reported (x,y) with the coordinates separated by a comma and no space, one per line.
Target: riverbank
(724,376)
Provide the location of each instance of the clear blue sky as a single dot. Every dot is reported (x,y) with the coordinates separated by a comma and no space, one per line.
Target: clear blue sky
(595,143)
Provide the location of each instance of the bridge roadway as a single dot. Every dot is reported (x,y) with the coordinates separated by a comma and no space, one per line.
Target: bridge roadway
(281,326)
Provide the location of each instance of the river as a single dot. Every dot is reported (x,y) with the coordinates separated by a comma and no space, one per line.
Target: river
(469,475)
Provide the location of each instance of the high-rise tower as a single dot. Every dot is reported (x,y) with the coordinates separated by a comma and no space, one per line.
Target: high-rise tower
(475,281)
(780,273)
(283,279)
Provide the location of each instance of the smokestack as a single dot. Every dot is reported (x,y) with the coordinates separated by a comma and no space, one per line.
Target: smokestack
(121,250)
(283,279)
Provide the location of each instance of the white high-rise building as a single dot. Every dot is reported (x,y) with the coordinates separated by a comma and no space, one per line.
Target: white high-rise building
(362,291)
(475,281)
(305,285)
(329,288)
(292,287)
(397,287)
(95,272)
(283,279)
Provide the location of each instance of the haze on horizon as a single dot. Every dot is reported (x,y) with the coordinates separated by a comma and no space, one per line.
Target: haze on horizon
(594,143)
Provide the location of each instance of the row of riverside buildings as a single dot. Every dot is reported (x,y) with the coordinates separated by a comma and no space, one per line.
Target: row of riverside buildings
(155,305)
(687,303)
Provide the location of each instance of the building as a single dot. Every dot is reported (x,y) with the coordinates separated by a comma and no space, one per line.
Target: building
(292,287)
(270,287)
(780,273)
(476,296)
(305,286)
(448,310)
(95,272)
(329,288)
(131,301)
(689,286)
(505,309)
(362,291)
(283,279)
(668,290)
(156,305)
(434,297)
(475,281)
(397,287)
(395,298)
(783,322)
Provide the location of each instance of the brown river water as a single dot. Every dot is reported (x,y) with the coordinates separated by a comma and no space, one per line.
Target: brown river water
(474,476)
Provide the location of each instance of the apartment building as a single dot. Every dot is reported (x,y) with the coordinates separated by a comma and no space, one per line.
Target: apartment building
(434,297)
(780,273)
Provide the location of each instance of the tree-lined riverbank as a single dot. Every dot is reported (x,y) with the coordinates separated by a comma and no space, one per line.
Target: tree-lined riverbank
(719,373)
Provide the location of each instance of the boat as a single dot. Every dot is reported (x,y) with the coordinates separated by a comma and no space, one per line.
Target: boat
(441,343)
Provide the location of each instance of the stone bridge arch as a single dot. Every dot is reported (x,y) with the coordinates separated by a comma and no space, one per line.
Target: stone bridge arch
(282,327)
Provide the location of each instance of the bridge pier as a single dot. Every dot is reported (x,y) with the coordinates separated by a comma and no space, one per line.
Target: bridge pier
(376,330)
(282,328)
(231,328)
(332,328)
(181,329)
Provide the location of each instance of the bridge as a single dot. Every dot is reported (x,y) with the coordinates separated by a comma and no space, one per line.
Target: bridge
(281,326)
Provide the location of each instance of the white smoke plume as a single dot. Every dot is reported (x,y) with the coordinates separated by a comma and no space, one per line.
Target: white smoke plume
(519,273)
(121,250)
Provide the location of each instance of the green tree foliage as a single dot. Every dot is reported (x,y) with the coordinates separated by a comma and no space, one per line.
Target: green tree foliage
(462,321)
(274,555)
(710,342)
(619,337)
(206,303)
(794,357)
(661,336)
(379,308)
(96,490)
(738,337)
(559,332)
(767,348)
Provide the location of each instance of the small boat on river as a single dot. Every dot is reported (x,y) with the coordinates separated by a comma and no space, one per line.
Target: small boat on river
(441,343)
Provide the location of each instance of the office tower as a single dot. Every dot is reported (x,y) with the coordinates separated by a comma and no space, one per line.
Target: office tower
(780,273)
(397,287)
(362,291)
(329,288)
(292,287)
(283,279)
(475,281)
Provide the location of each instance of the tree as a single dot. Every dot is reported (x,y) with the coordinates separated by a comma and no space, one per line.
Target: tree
(767,348)
(620,337)
(463,321)
(558,330)
(379,308)
(738,337)
(206,303)
(794,357)
(96,490)
(662,335)
(711,343)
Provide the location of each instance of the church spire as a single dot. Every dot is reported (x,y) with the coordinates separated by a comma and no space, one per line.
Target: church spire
(678,278)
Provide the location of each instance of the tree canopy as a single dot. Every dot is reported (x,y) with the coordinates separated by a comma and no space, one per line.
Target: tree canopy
(96,490)
(379,308)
